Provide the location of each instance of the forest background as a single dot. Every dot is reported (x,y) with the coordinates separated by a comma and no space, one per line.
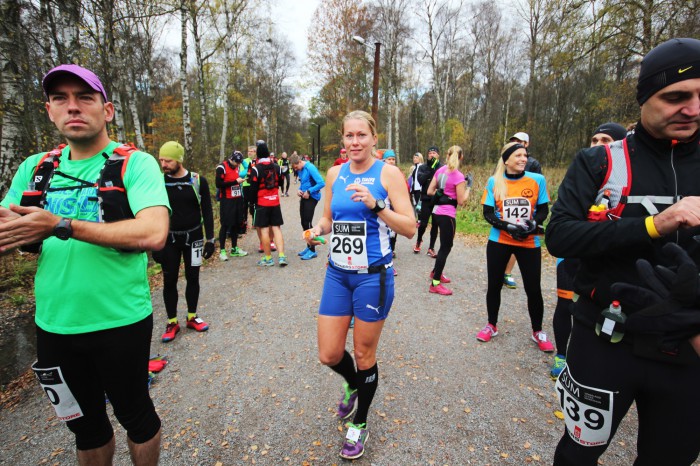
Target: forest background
(452,72)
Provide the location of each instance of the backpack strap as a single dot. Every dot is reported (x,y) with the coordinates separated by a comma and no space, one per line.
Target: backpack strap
(613,193)
(111,192)
(35,194)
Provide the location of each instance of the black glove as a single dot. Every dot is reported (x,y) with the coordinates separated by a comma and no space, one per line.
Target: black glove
(516,231)
(157,256)
(209,249)
(669,298)
(529,227)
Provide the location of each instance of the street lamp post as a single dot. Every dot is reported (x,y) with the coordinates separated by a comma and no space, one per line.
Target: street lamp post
(375,79)
(318,138)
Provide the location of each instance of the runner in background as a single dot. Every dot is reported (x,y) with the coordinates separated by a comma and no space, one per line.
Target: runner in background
(389,157)
(532,166)
(515,204)
(190,201)
(358,280)
(283,162)
(414,186)
(342,159)
(449,189)
(425,175)
(230,175)
(309,194)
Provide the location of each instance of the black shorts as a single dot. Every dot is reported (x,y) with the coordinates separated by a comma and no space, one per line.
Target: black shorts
(111,362)
(268,216)
(232,211)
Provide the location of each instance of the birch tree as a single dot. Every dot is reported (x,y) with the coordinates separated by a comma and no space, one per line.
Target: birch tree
(11,99)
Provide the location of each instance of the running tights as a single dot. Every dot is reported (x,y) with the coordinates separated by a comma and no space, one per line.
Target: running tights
(530,264)
(172,253)
(446,226)
(306,213)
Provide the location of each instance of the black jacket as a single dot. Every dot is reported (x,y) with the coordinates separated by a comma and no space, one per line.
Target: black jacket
(426,171)
(608,250)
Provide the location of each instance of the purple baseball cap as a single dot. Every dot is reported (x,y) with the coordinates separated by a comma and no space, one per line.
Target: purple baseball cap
(87,76)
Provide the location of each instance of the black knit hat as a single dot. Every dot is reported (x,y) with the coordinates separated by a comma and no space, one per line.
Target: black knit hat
(261,151)
(433,149)
(615,131)
(668,63)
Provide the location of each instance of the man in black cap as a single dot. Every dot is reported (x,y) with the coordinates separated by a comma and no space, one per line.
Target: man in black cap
(264,182)
(425,175)
(607,133)
(630,211)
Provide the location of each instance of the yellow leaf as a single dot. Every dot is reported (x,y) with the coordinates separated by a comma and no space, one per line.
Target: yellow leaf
(504,455)
(527,445)
(559,414)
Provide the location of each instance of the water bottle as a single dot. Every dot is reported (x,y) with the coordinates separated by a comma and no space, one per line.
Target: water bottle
(611,323)
(418,206)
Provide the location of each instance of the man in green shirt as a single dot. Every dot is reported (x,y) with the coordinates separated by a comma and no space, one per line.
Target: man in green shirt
(93,304)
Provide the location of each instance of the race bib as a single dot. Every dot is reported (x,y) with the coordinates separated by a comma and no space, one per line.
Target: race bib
(236,190)
(516,210)
(349,245)
(197,248)
(58,392)
(587,410)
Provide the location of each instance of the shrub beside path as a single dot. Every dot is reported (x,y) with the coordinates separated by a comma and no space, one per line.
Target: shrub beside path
(251,390)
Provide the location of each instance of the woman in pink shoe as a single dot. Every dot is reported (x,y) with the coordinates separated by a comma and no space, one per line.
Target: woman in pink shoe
(515,204)
(449,189)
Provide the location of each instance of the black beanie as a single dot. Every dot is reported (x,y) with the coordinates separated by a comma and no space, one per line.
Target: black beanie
(613,130)
(668,63)
(262,152)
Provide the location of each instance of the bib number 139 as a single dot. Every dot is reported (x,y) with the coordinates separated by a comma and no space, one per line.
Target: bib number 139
(587,410)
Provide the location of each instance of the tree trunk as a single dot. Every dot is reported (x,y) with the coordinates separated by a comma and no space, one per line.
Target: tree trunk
(12,101)
(200,75)
(187,129)
(135,117)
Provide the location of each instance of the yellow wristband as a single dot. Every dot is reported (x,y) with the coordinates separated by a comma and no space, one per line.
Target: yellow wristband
(651,229)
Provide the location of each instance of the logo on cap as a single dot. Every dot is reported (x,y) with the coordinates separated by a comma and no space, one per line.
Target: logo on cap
(683,70)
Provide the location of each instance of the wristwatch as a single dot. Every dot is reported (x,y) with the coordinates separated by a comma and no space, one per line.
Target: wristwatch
(379,206)
(63,230)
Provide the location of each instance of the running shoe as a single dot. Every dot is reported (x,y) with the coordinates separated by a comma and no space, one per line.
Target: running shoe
(171,331)
(266,262)
(416,248)
(238,252)
(559,364)
(439,289)
(508,281)
(542,342)
(347,403)
(222,256)
(283,261)
(443,278)
(260,248)
(303,252)
(431,253)
(355,441)
(487,333)
(197,324)
(272,246)
(309,255)
(395,271)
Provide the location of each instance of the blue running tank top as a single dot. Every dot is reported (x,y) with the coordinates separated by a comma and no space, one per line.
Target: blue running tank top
(359,238)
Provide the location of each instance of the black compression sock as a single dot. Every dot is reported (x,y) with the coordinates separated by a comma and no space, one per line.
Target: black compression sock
(367,382)
(346,368)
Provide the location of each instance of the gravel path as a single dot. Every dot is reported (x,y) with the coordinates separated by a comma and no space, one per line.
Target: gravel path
(251,390)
